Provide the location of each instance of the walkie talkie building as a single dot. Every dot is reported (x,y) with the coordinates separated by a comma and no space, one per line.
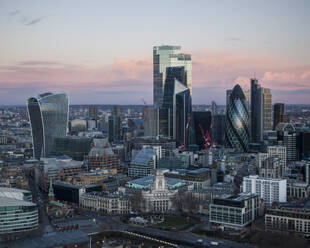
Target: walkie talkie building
(237,121)
(48,114)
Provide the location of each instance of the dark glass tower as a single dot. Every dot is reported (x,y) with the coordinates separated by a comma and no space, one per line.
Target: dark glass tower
(48,114)
(177,100)
(237,121)
(256,111)
(278,112)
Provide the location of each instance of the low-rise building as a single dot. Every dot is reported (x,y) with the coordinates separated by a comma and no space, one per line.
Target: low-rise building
(288,220)
(157,191)
(199,178)
(108,203)
(268,189)
(71,193)
(92,177)
(236,211)
(297,189)
(102,156)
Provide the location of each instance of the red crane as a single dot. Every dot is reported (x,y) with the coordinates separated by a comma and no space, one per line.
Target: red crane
(144,102)
(207,136)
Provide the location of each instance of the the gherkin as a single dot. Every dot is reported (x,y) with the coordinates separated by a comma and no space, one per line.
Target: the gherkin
(237,121)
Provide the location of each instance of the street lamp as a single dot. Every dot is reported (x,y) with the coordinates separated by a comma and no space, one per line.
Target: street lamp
(90,234)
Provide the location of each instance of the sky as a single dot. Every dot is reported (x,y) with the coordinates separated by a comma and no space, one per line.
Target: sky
(100,52)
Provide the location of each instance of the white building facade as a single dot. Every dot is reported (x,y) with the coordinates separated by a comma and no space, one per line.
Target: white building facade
(269,189)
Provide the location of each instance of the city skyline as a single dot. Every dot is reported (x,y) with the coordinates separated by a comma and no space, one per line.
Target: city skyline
(100,53)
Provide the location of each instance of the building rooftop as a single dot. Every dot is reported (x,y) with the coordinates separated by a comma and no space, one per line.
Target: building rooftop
(144,156)
(264,178)
(146,182)
(9,202)
(12,190)
(66,184)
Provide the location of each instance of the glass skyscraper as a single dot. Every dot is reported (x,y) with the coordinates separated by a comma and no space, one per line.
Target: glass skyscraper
(261,110)
(48,114)
(237,121)
(177,100)
(168,56)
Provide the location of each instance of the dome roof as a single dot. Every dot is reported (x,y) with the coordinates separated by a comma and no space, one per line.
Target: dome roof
(237,92)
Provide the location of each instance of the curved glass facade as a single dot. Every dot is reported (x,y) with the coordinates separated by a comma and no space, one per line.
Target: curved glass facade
(49,119)
(237,121)
(18,216)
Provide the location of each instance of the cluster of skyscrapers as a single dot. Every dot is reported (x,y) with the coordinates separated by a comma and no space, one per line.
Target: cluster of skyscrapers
(172,94)
(248,113)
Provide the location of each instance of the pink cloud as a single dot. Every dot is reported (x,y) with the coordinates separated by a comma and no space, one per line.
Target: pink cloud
(213,73)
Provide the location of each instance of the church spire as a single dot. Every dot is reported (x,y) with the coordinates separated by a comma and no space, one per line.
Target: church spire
(51,194)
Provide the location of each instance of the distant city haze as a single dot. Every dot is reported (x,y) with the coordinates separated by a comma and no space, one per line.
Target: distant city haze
(100,52)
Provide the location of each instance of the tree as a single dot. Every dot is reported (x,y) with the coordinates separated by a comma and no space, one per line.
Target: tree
(136,201)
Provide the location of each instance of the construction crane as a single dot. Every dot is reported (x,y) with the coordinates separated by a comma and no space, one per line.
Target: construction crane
(185,131)
(207,136)
(144,102)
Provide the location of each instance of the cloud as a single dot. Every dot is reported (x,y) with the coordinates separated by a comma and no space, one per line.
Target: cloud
(39,63)
(14,12)
(34,21)
(130,79)
(234,39)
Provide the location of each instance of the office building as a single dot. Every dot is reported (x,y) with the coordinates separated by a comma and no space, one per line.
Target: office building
(178,100)
(237,121)
(292,220)
(102,156)
(93,112)
(304,145)
(68,192)
(106,202)
(168,56)
(145,162)
(117,111)
(270,168)
(77,125)
(278,111)
(228,94)
(114,128)
(280,153)
(256,111)
(201,119)
(275,152)
(18,194)
(73,146)
(287,137)
(279,115)
(199,178)
(18,215)
(214,108)
(167,145)
(267,109)
(235,211)
(268,189)
(48,114)
(261,110)
(218,130)
(58,168)
(155,121)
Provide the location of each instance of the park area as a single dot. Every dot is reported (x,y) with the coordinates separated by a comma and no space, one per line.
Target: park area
(175,223)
